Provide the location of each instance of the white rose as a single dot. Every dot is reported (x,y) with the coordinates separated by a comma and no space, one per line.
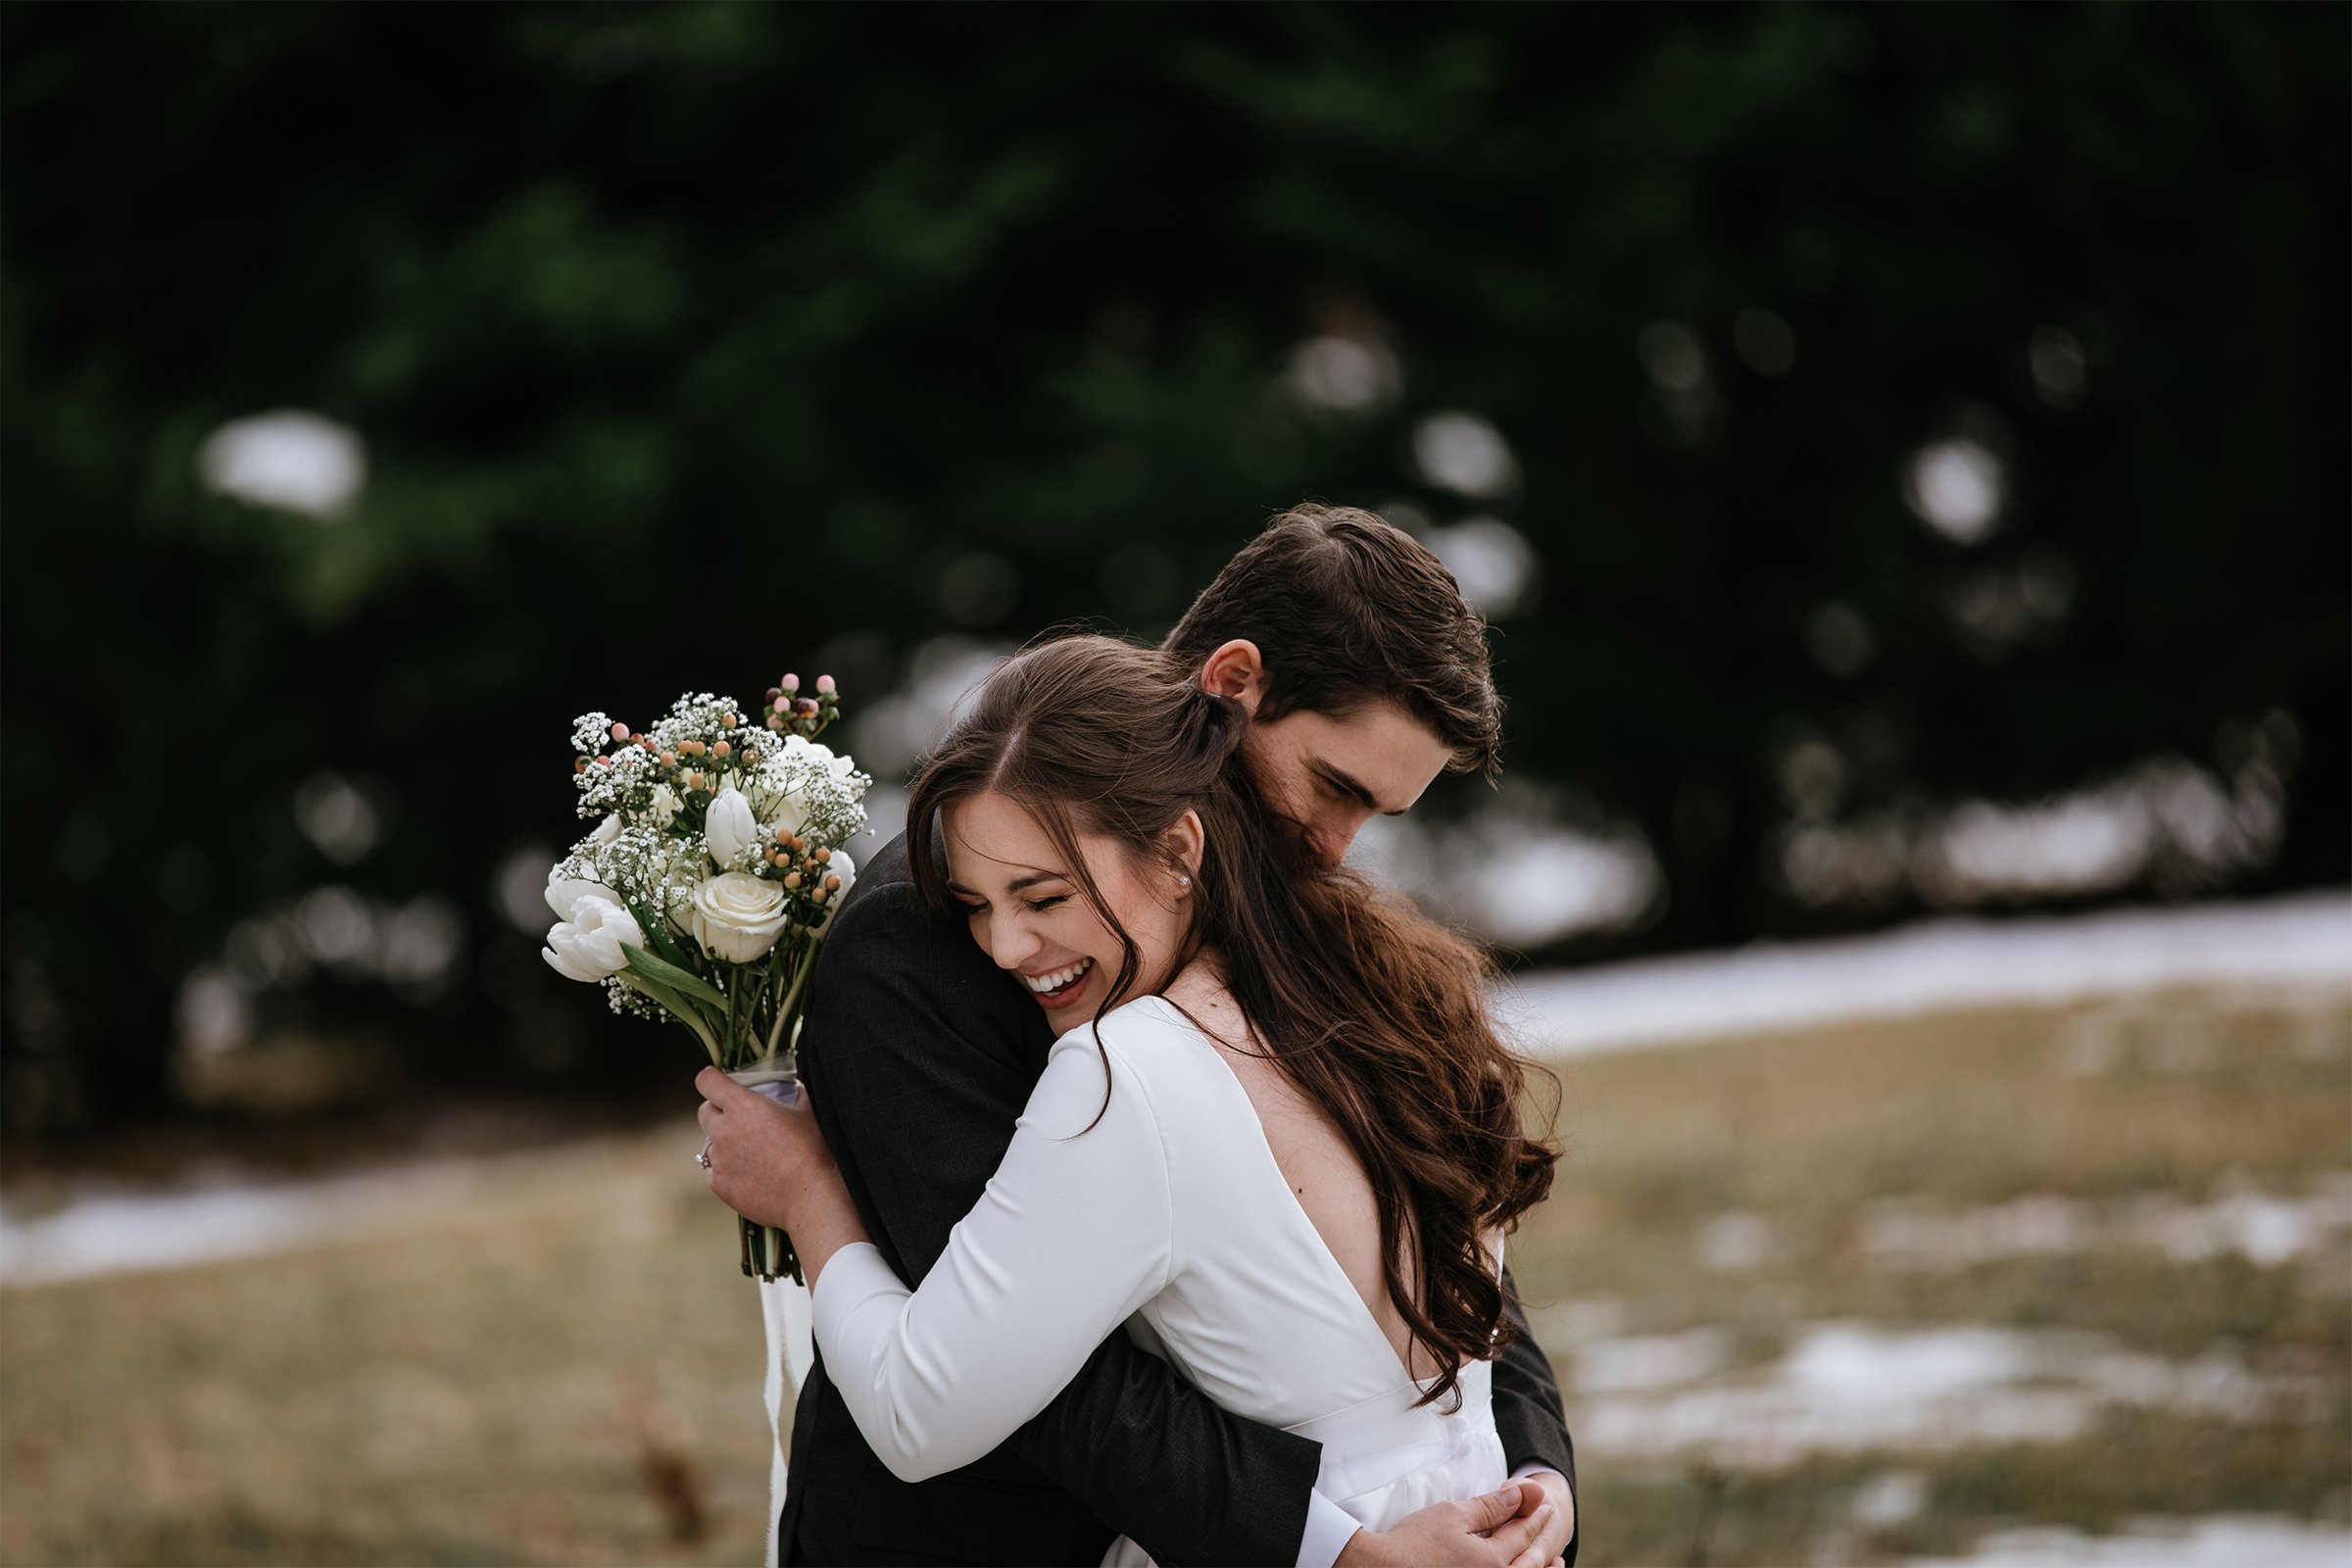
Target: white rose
(587,947)
(608,830)
(737,916)
(666,805)
(728,827)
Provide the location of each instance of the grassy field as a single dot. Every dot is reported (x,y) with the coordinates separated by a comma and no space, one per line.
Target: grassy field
(1746,1193)
(564,1370)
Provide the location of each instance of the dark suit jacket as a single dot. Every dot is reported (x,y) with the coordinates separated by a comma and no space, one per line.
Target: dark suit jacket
(920,1054)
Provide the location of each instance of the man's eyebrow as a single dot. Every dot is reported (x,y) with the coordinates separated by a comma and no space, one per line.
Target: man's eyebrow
(1349,786)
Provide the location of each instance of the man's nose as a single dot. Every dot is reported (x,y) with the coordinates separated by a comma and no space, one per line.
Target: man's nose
(1335,837)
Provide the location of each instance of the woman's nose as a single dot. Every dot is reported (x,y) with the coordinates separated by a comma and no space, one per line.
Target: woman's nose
(1009,942)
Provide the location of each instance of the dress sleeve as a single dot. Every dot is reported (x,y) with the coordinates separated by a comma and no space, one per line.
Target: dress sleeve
(1073,1233)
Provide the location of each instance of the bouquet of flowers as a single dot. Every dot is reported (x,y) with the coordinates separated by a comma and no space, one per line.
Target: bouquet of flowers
(709,879)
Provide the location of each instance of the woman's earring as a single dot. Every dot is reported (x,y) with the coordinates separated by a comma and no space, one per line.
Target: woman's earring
(1184,881)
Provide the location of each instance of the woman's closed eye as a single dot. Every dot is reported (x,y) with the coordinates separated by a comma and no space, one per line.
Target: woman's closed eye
(974,911)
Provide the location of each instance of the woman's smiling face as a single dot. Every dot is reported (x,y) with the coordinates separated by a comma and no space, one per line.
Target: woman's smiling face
(1030,915)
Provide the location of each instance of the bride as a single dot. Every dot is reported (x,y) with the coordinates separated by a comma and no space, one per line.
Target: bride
(1277,1137)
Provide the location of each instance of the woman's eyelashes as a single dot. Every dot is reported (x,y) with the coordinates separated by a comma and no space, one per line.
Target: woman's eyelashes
(974,911)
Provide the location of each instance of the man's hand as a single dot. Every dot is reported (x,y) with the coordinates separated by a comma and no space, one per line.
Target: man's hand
(1535,1489)
(1495,1530)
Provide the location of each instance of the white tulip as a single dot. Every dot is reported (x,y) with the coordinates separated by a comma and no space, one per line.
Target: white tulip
(728,826)
(737,916)
(666,805)
(563,894)
(587,947)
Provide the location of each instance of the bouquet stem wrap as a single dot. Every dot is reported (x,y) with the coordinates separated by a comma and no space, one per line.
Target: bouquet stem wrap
(766,1250)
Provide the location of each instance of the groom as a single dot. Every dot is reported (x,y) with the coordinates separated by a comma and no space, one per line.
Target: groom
(1365,674)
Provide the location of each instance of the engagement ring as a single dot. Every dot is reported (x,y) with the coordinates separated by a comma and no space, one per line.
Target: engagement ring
(704,1158)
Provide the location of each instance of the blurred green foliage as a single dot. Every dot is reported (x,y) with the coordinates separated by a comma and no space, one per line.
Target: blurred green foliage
(694,342)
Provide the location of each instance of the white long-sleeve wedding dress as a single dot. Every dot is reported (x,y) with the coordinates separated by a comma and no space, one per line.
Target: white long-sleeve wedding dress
(1169,1212)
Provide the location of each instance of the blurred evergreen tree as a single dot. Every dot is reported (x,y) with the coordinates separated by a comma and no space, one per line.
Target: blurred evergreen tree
(689,341)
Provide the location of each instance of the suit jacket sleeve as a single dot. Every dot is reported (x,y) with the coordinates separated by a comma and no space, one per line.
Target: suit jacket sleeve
(1527,1405)
(919,1057)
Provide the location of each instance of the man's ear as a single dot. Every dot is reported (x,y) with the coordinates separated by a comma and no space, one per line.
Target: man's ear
(1237,670)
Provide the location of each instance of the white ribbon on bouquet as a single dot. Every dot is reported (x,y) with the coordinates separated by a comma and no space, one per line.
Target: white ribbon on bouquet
(791,1349)
(791,1325)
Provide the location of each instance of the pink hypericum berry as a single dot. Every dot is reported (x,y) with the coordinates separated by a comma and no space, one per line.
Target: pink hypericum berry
(620,732)
(806,706)
(669,758)
(783,705)
(824,685)
(791,683)
(722,748)
(604,762)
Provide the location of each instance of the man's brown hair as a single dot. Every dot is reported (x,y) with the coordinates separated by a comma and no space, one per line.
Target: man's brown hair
(1347,608)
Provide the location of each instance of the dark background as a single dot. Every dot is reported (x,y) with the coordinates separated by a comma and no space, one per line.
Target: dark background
(693,343)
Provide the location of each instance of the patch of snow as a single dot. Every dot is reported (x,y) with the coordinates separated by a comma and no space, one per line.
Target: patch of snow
(1735,1241)
(2215,1540)
(2266,1229)
(1893,1497)
(2303,942)
(108,1229)
(1847,1388)
(1651,1360)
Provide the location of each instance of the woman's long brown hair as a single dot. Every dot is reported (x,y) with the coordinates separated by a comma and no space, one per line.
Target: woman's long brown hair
(1375,1013)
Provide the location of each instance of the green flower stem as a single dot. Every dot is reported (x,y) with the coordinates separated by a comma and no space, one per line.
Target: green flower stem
(792,998)
(734,983)
(678,1011)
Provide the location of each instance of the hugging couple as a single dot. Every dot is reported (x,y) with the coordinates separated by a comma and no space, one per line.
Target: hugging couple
(1153,1168)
